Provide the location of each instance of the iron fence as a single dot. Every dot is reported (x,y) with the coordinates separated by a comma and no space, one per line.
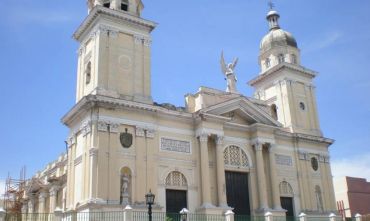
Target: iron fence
(156,216)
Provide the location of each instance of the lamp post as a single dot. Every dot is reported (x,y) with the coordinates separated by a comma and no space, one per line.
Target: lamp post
(184,214)
(149,198)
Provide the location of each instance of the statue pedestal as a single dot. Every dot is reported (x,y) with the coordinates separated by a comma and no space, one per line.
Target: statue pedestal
(125,199)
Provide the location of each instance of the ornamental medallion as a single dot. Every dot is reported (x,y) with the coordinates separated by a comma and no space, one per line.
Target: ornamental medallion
(126,139)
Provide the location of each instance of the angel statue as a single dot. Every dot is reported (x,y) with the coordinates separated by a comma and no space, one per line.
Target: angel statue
(228,71)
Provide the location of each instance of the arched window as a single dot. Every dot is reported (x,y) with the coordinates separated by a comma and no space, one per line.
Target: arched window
(267,63)
(176,179)
(234,156)
(294,59)
(320,206)
(88,73)
(124,5)
(281,58)
(106,3)
(286,189)
(274,112)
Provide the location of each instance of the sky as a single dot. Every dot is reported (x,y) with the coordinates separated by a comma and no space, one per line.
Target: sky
(38,62)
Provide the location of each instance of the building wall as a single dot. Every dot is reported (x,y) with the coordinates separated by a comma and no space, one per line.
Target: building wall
(355,193)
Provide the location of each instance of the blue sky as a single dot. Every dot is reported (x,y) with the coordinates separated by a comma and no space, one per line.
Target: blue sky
(38,67)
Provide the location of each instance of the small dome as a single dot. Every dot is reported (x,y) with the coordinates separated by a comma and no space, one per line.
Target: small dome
(272,12)
(278,37)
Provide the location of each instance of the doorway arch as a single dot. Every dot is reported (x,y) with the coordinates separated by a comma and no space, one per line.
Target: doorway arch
(176,192)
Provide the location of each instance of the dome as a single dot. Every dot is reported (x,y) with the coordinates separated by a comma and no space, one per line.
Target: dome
(278,37)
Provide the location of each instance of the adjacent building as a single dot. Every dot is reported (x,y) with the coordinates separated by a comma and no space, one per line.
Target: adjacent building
(352,195)
(222,150)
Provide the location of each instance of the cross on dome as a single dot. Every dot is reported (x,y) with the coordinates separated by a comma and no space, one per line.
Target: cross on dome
(271,5)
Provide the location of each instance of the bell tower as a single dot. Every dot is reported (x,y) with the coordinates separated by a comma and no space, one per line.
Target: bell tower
(114,57)
(284,83)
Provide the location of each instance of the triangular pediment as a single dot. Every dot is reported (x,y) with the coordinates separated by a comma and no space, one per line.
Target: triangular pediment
(241,111)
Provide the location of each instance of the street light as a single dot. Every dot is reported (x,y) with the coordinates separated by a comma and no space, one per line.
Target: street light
(149,198)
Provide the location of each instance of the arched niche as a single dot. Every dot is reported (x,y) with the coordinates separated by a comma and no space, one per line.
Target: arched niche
(125,186)
(318,195)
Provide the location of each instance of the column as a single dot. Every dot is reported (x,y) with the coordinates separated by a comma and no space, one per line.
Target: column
(204,164)
(53,198)
(140,164)
(24,210)
(221,185)
(93,172)
(274,182)
(42,199)
(261,177)
(31,204)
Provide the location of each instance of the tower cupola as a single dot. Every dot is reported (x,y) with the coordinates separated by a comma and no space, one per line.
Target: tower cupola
(133,7)
(273,19)
(277,46)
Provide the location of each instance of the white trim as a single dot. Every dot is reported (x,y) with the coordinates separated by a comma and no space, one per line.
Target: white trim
(238,140)
(209,131)
(176,130)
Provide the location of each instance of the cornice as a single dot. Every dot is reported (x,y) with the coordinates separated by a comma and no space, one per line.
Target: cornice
(305,137)
(268,73)
(91,101)
(99,10)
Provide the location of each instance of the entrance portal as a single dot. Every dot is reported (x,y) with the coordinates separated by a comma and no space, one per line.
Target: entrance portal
(237,192)
(287,204)
(176,200)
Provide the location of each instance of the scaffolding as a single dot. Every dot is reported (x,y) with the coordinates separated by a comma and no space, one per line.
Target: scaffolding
(14,192)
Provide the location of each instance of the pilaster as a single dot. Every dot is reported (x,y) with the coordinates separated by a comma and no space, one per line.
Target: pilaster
(204,163)
(221,182)
(53,197)
(261,177)
(274,183)
(42,200)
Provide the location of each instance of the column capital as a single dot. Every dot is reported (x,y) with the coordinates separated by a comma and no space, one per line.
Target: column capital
(43,195)
(219,140)
(203,137)
(53,190)
(258,146)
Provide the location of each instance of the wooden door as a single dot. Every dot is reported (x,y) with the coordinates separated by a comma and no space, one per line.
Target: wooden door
(287,204)
(176,200)
(237,192)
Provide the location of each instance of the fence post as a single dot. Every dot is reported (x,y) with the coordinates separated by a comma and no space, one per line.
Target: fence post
(268,216)
(332,217)
(358,217)
(127,213)
(302,217)
(2,214)
(229,215)
(58,214)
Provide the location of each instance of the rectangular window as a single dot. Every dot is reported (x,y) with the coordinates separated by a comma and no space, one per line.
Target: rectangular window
(107,5)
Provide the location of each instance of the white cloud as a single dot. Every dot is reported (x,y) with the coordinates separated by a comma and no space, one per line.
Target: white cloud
(356,166)
(324,42)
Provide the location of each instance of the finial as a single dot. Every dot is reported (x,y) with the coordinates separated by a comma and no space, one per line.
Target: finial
(271,5)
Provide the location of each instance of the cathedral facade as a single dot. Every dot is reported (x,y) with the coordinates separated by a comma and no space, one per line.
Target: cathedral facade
(222,150)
